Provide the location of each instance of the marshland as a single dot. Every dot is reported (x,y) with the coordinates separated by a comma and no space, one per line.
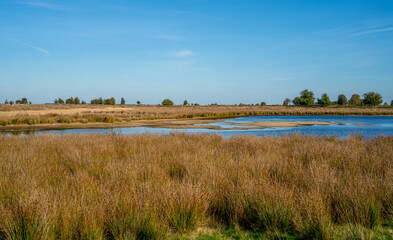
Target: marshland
(200,186)
(173,185)
(196,120)
(42,116)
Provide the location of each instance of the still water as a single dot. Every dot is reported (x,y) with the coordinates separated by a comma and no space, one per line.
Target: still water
(367,126)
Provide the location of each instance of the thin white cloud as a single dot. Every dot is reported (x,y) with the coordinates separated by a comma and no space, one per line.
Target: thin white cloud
(184,53)
(45,5)
(171,38)
(42,50)
(373,31)
(46,52)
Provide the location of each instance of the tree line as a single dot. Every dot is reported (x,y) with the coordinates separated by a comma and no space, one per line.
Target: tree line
(19,101)
(71,100)
(307,98)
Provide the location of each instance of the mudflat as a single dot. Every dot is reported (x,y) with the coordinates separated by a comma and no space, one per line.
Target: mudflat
(269,124)
(166,123)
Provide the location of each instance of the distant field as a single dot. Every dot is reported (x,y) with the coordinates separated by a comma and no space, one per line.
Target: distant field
(66,114)
(195,187)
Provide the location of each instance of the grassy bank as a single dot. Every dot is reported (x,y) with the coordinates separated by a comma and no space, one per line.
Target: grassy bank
(66,114)
(195,186)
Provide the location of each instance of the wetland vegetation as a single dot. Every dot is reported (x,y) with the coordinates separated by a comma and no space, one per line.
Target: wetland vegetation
(83,116)
(179,186)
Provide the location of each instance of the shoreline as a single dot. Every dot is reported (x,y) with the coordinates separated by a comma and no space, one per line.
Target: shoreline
(164,123)
(60,117)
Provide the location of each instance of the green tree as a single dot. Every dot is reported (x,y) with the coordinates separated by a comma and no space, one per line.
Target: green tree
(11,102)
(167,102)
(286,102)
(83,102)
(185,103)
(110,101)
(6,101)
(355,100)
(138,102)
(24,101)
(342,100)
(61,101)
(56,101)
(391,103)
(263,104)
(70,100)
(122,101)
(77,101)
(324,101)
(372,99)
(306,98)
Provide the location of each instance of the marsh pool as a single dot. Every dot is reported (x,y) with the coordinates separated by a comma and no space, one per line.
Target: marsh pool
(367,126)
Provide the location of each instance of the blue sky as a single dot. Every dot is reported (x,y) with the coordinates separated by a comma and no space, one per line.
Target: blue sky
(205,51)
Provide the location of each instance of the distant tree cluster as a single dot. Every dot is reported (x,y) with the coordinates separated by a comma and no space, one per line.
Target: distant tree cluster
(307,98)
(186,103)
(58,101)
(19,101)
(70,100)
(97,101)
(76,100)
(109,101)
(372,99)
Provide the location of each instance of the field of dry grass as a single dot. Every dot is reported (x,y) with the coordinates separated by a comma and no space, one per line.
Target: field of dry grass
(195,186)
(29,115)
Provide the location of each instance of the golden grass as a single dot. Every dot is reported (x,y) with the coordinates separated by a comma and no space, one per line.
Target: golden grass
(65,114)
(152,186)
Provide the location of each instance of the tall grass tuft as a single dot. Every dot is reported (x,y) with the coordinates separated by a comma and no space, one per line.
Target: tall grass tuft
(185,208)
(273,215)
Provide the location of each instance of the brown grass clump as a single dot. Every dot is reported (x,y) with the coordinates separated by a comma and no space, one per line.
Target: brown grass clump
(154,187)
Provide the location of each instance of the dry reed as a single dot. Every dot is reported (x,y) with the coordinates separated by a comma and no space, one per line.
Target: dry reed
(152,187)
